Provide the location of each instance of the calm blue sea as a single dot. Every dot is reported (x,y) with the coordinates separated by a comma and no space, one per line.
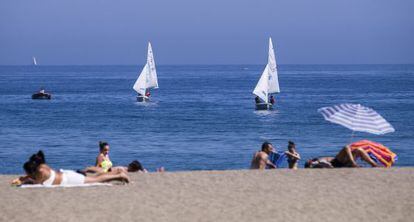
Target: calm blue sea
(201,117)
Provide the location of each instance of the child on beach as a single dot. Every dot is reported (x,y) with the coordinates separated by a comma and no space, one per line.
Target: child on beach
(292,155)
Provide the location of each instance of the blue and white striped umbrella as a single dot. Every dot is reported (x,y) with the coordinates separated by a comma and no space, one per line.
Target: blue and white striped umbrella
(357,118)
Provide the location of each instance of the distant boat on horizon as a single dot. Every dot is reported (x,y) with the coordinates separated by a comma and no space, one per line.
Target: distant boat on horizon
(268,83)
(42,95)
(34,62)
(147,79)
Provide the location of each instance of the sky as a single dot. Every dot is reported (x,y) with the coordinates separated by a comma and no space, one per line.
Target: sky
(104,32)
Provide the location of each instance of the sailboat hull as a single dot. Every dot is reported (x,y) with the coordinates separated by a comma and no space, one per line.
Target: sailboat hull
(142,99)
(264,106)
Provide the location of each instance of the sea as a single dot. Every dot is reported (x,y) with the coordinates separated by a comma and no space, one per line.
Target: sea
(202,117)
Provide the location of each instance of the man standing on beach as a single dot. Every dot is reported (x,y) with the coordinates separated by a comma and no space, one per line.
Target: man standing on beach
(261,158)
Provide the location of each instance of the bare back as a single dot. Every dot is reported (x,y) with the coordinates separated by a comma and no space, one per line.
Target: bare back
(259,160)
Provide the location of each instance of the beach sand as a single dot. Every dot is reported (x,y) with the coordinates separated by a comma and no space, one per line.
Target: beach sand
(274,195)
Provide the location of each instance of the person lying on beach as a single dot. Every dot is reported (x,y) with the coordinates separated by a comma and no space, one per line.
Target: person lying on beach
(261,158)
(345,158)
(134,166)
(293,157)
(38,172)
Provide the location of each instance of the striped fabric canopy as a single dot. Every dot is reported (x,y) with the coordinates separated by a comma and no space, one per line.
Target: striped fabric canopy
(376,151)
(357,118)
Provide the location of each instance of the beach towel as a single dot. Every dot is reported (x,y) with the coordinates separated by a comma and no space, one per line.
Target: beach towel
(278,158)
(377,152)
(56,186)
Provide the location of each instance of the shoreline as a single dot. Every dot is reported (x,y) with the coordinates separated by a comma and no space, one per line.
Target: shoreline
(364,194)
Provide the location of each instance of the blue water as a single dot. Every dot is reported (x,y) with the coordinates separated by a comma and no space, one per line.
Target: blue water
(201,117)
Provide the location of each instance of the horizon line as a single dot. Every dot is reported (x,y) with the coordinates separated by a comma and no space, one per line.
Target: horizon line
(230,64)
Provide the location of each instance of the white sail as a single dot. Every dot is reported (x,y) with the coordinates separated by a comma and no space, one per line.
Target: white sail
(152,72)
(262,86)
(147,79)
(273,77)
(268,82)
(140,85)
(34,61)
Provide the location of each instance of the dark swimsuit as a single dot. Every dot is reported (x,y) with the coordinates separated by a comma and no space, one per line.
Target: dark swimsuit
(337,164)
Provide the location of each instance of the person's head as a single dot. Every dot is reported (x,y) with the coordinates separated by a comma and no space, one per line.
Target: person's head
(135,166)
(104,147)
(291,146)
(271,96)
(308,163)
(32,165)
(267,147)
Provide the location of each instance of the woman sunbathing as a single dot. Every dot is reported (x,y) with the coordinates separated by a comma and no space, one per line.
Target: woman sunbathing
(345,158)
(38,172)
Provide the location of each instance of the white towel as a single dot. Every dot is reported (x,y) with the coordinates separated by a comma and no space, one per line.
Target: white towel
(55,186)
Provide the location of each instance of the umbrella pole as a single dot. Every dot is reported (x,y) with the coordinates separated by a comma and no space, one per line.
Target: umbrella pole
(352,137)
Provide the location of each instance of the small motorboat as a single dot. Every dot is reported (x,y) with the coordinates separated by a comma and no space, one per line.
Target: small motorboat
(42,95)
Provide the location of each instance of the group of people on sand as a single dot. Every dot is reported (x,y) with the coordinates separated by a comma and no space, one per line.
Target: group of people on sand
(346,157)
(38,172)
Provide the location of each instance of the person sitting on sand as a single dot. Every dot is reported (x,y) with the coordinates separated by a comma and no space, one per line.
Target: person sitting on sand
(261,158)
(292,156)
(38,172)
(102,160)
(102,164)
(345,158)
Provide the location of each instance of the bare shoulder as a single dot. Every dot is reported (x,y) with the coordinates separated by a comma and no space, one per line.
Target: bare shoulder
(263,155)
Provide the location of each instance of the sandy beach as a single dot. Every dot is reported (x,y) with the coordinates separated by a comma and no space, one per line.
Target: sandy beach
(279,195)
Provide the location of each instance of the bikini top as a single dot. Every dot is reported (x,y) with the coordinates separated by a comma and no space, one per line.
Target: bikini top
(51,178)
(106,164)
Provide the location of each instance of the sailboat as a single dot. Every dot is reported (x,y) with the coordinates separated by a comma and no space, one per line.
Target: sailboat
(147,79)
(34,61)
(268,83)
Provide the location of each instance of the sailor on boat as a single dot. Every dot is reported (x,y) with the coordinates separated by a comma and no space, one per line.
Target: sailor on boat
(145,98)
(272,100)
(42,95)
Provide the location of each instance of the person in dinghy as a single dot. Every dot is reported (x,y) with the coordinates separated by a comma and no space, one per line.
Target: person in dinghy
(41,94)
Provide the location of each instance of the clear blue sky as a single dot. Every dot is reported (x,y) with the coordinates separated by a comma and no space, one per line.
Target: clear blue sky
(82,32)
